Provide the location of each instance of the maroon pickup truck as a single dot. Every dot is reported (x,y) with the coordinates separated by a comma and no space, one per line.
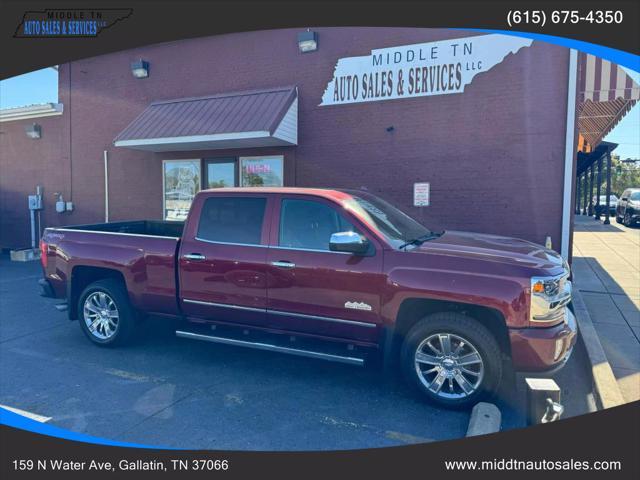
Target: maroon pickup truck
(333,274)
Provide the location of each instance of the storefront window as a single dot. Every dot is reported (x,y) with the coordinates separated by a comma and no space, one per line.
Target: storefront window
(261,171)
(181,181)
(220,173)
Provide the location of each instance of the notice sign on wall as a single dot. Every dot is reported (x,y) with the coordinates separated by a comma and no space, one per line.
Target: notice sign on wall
(421,194)
(419,70)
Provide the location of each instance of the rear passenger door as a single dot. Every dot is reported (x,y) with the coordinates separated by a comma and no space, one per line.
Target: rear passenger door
(222,262)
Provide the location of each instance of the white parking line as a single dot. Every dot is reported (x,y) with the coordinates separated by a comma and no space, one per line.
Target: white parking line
(24,413)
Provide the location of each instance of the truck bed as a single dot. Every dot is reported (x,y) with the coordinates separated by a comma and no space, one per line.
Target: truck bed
(141,252)
(154,228)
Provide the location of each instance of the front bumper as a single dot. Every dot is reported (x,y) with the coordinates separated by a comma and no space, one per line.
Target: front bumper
(543,350)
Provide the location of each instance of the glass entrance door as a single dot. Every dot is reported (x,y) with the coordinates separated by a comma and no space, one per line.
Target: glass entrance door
(221,172)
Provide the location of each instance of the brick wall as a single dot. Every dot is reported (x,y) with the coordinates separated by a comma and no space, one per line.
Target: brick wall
(493,155)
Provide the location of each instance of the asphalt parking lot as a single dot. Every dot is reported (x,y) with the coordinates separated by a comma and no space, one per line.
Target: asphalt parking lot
(172,392)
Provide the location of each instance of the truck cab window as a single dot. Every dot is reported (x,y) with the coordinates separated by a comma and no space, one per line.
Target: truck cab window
(232,220)
(307,224)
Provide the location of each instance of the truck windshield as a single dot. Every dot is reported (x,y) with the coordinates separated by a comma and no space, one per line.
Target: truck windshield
(396,226)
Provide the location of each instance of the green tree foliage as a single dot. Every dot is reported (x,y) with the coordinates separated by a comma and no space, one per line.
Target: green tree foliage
(623,175)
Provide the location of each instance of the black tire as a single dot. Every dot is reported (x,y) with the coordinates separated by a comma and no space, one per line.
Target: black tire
(126,321)
(618,219)
(461,327)
(627,219)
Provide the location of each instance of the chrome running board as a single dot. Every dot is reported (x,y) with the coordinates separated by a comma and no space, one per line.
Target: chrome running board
(271,347)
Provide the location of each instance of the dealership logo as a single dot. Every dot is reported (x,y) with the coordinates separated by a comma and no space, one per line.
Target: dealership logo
(419,70)
(68,23)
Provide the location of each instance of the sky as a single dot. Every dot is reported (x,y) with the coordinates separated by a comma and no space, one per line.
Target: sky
(31,88)
(41,86)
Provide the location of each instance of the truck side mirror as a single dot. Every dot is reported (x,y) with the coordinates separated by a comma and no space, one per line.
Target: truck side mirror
(348,242)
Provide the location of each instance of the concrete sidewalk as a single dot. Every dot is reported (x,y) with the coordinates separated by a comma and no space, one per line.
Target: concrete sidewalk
(606,268)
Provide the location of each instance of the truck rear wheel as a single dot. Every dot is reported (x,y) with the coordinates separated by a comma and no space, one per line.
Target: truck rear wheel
(105,313)
(452,360)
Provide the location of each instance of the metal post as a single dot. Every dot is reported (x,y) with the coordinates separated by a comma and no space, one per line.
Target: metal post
(578,195)
(32,215)
(608,190)
(591,172)
(39,190)
(598,190)
(585,203)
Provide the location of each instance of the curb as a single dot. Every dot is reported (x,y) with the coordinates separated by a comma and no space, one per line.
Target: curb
(24,255)
(605,385)
(485,418)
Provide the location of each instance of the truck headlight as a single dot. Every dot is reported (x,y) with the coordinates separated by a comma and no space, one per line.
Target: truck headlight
(548,287)
(549,297)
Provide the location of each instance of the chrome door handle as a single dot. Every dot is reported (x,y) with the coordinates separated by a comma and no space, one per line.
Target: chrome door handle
(283,264)
(196,257)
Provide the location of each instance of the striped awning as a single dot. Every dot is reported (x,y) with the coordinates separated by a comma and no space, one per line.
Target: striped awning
(605,94)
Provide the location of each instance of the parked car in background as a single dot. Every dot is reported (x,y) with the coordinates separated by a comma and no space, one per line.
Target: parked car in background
(628,209)
(602,208)
(331,274)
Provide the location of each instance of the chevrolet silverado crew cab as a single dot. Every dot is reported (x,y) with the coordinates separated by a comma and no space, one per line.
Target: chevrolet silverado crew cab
(331,274)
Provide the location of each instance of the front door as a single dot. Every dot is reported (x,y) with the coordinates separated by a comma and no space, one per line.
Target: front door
(312,289)
(222,261)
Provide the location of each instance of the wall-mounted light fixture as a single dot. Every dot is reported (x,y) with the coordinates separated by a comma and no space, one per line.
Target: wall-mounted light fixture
(140,69)
(33,131)
(307,41)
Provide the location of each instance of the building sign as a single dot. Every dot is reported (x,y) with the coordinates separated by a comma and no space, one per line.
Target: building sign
(261,171)
(421,194)
(419,70)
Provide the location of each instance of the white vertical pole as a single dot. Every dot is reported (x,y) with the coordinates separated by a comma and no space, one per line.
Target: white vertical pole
(106,187)
(32,214)
(569,153)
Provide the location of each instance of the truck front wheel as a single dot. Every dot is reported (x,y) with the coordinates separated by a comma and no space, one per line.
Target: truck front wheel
(106,316)
(452,360)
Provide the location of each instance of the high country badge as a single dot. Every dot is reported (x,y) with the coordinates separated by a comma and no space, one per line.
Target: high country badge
(358,306)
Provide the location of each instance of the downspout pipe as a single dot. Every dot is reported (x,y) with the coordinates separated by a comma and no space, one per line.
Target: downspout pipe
(569,153)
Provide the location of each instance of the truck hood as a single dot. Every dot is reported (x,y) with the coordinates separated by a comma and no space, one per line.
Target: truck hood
(493,248)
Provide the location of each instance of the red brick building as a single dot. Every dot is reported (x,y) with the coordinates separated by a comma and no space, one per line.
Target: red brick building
(490,138)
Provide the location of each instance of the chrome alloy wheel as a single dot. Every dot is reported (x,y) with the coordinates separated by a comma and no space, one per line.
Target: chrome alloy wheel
(449,366)
(101,315)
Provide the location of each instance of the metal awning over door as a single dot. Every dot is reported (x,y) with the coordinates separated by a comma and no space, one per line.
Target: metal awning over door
(258,118)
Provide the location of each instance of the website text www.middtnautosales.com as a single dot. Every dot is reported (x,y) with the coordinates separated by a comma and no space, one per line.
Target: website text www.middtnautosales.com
(512,464)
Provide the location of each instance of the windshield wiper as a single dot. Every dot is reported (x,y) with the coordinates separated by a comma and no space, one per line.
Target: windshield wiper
(422,239)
